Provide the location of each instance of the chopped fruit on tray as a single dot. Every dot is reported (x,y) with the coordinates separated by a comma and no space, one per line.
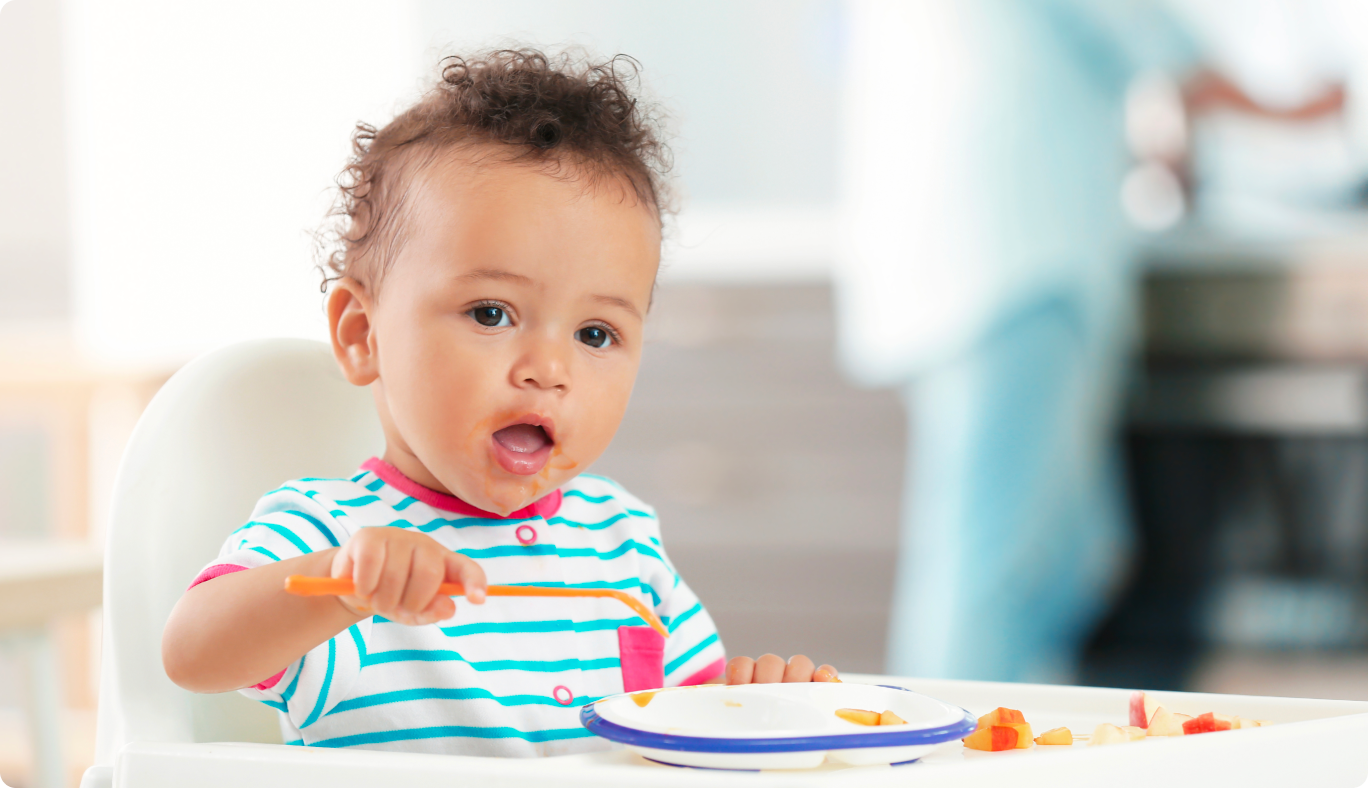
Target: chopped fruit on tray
(859,716)
(1207,723)
(889,718)
(1024,734)
(1055,736)
(863,717)
(1000,716)
(1135,732)
(642,698)
(1166,723)
(994,738)
(1142,708)
(1106,733)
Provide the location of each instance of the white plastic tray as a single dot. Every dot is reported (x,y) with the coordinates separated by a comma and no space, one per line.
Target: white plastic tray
(1314,743)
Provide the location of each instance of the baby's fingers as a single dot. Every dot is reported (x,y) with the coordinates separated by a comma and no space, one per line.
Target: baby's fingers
(460,569)
(799,669)
(740,670)
(826,673)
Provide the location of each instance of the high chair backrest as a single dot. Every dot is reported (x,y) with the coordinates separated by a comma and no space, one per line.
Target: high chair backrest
(225,429)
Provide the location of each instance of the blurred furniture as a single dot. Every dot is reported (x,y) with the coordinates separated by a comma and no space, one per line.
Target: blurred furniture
(1248,454)
(225,429)
(59,415)
(39,583)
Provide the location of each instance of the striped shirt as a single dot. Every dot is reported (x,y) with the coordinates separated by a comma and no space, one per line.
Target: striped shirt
(503,678)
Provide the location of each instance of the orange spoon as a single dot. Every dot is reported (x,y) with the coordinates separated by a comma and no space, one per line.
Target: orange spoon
(326,586)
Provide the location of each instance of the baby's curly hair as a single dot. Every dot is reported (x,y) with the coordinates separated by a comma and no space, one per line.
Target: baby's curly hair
(566,113)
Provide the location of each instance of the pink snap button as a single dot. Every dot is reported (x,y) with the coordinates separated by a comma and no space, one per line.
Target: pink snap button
(526,534)
(563,695)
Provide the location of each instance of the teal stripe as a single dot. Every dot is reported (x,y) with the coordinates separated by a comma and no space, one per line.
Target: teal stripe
(506,551)
(266,553)
(451,693)
(532,666)
(452,731)
(639,513)
(586,496)
(362,501)
(295,742)
(462,522)
(283,531)
(406,503)
(358,477)
(294,683)
(327,681)
(375,485)
(685,616)
(630,582)
(690,654)
(277,705)
(323,529)
(360,643)
(589,526)
(525,627)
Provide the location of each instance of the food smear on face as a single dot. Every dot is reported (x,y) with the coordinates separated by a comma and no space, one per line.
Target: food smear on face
(643,698)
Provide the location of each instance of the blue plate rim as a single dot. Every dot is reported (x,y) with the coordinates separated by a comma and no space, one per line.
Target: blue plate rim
(612,731)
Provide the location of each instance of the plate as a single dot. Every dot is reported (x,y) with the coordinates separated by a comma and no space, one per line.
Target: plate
(775,726)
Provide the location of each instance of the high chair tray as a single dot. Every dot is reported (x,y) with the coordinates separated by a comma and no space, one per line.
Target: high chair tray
(1313,742)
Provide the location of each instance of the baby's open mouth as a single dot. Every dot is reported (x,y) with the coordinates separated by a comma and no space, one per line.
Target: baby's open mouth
(522,448)
(522,438)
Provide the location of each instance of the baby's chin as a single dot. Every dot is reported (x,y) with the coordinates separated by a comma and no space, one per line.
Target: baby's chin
(503,496)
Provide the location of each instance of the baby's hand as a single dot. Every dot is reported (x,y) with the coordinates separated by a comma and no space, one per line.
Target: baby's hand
(771,669)
(397,574)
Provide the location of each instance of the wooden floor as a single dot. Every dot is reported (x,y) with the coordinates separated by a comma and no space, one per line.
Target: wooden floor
(777,482)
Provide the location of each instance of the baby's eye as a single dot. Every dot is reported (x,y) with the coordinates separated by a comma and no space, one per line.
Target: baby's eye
(492,316)
(594,336)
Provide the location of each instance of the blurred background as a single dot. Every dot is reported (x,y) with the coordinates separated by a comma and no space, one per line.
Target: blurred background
(1021,340)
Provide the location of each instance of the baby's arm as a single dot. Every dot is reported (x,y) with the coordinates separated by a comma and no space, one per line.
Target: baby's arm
(239,629)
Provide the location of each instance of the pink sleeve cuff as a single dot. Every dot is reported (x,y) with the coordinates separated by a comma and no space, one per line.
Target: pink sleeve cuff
(217,570)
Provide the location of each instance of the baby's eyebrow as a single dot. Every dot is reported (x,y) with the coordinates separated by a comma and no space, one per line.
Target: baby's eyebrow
(495,273)
(615,301)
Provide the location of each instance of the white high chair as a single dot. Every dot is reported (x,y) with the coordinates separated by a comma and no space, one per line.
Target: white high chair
(226,428)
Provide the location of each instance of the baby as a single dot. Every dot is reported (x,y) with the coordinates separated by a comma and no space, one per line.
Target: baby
(501,246)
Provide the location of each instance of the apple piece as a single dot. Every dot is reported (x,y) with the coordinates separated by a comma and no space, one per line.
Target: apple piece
(1142,708)
(1166,723)
(859,716)
(1024,735)
(889,718)
(1000,716)
(1135,732)
(1056,736)
(1206,723)
(1263,723)
(994,738)
(1106,733)
(1230,720)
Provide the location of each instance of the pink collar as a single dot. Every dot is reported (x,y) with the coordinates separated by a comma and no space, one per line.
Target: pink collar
(543,507)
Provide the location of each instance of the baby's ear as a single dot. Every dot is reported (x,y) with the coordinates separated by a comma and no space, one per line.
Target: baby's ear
(349,327)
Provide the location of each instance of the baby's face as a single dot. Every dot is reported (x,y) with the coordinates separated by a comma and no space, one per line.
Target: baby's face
(508,331)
